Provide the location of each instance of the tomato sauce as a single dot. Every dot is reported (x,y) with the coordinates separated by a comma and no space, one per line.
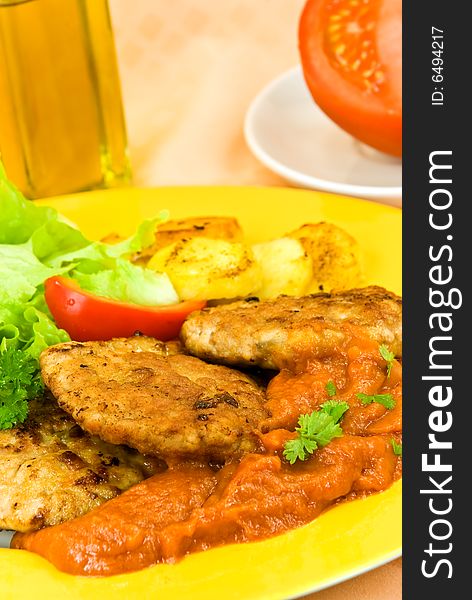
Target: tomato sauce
(124,536)
(193,507)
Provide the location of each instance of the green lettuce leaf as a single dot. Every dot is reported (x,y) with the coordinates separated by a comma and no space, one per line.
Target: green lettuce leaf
(37,243)
(21,273)
(19,217)
(129,283)
(57,243)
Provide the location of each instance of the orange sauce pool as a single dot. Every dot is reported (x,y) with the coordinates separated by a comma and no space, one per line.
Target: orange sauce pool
(193,507)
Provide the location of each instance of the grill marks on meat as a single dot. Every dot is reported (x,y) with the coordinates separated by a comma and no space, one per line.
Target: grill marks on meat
(143,393)
(272,333)
(52,471)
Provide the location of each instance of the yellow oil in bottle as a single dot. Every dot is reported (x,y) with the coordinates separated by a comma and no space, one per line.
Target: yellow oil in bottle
(61,118)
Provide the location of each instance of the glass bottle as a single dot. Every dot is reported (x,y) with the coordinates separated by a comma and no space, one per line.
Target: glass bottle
(62,126)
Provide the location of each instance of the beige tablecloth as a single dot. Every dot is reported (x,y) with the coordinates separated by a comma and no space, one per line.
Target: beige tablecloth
(189,69)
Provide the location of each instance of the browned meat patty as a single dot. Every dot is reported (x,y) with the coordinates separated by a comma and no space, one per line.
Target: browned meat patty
(52,471)
(138,392)
(271,333)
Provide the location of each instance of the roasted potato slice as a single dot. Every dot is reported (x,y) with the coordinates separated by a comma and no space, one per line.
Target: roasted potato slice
(203,269)
(286,267)
(216,228)
(335,256)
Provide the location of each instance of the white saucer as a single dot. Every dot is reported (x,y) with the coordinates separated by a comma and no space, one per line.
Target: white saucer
(290,135)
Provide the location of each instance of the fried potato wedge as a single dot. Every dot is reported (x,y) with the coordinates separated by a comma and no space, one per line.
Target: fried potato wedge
(286,267)
(203,269)
(335,256)
(216,228)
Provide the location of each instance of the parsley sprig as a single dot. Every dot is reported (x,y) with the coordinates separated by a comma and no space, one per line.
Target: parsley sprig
(20,381)
(386,400)
(397,448)
(315,430)
(335,409)
(330,388)
(388,356)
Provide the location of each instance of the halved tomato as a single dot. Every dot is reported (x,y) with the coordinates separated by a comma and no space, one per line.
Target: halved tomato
(351,57)
(86,316)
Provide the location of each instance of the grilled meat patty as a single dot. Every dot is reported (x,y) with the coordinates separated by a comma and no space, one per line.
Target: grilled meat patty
(270,334)
(52,471)
(140,392)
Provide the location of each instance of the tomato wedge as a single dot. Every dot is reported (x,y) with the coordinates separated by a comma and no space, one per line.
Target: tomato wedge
(88,317)
(351,56)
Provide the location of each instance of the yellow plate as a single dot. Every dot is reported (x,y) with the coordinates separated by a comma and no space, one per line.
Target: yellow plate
(344,541)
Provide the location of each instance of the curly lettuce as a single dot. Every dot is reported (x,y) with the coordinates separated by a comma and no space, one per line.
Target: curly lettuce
(36,242)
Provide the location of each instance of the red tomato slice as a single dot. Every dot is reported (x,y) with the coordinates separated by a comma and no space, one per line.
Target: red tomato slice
(88,317)
(351,57)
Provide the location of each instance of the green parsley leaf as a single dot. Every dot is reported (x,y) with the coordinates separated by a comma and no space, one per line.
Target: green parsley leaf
(386,400)
(298,449)
(388,356)
(19,382)
(397,448)
(335,409)
(315,430)
(330,387)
